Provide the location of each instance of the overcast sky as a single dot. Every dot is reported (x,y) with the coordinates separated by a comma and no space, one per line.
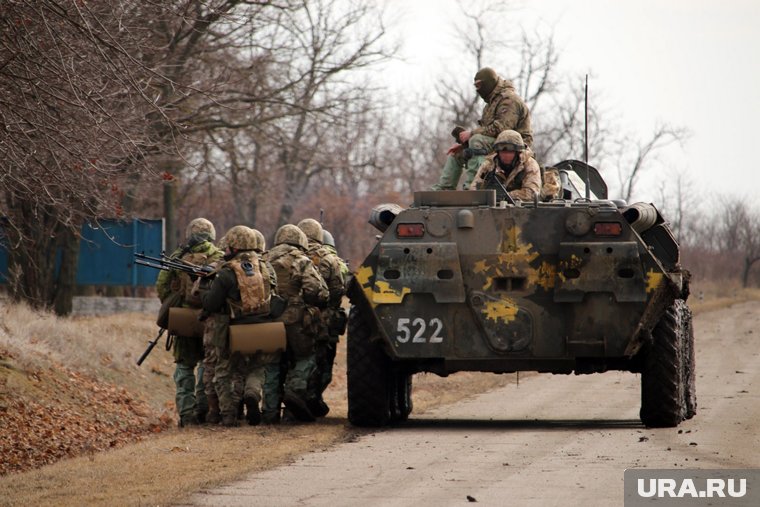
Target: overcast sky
(691,63)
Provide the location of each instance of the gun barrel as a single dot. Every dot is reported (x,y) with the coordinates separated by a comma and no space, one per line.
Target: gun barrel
(151,345)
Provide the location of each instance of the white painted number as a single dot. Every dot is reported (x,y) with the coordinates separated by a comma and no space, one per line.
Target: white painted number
(418,326)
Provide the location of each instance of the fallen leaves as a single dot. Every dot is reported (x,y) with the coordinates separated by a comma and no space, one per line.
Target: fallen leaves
(68,414)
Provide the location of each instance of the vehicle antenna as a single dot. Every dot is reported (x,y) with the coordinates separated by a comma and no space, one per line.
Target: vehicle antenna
(585,139)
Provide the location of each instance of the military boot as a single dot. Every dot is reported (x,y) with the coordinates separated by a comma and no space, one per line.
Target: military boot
(298,407)
(213,416)
(252,412)
(230,419)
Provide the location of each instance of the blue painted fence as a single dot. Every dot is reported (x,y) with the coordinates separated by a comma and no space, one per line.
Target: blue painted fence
(106,255)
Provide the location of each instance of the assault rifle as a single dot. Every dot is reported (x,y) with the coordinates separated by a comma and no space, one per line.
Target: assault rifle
(168,264)
(492,181)
(151,344)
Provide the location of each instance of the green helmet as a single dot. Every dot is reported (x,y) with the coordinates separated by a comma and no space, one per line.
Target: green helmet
(327,238)
(291,235)
(509,140)
(312,229)
(261,242)
(200,228)
(488,78)
(241,237)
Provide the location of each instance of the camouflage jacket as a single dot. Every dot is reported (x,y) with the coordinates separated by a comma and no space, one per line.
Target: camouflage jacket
(523,182)
(298,280)
(328,265)
(225,297)
(505,110)
(202,254)
(343,266)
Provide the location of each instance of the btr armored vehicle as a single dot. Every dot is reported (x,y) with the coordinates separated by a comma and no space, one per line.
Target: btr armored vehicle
(466,281)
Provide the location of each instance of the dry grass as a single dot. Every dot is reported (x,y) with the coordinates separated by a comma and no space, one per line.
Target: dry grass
(166,467)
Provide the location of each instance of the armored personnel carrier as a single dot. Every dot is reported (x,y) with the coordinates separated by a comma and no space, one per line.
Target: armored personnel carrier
(463,281)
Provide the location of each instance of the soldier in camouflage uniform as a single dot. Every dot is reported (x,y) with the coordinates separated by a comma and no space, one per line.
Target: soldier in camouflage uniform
(338,318)
(240,293)
(513,166)
(190,399)
(328,265)
(504,109)
(299,282)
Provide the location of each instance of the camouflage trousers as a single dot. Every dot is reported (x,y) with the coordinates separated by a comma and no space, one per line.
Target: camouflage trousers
(300,360)
(262,375)
(452,170)
(324,358)
(190,397)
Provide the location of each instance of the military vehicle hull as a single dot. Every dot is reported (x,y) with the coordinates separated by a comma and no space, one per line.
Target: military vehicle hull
(458,282)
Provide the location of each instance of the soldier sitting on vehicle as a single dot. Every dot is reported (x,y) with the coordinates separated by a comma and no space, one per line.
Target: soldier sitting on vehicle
(513,166)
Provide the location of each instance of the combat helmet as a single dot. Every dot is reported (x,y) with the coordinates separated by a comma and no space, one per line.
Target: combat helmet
(261,242)
(222,243)
(509,140)
(200,229)
(291,235)
(327,238)
(241,238)
(312,229)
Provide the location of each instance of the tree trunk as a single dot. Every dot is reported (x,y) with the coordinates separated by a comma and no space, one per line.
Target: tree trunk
(67,276)
(748,262)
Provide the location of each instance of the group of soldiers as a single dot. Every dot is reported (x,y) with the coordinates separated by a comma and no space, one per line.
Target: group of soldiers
(304,271)
(299,282)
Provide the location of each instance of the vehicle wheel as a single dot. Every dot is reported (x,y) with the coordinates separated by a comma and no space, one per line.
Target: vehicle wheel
(663,373)
(402,397)
(689,378)
(368,370)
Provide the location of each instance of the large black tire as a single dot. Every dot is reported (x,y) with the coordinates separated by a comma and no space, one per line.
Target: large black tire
(402,405)
(369,373)
(662,377)
(689,378)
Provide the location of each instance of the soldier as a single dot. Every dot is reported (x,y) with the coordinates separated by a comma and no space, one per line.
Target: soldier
(329,267)
(513,166)
(190,398)
(337,320)
(299,282)
(504,109)
(241,292)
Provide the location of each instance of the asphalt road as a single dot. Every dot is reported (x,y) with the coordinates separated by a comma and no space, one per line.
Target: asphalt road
(551,440)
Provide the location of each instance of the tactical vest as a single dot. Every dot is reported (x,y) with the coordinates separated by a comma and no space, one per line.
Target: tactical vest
(186,283)
(253,284)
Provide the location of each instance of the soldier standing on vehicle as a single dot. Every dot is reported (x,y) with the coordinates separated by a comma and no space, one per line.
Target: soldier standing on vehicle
(190,397)
(241,292)
(504,109)
(299,282)
(329,267)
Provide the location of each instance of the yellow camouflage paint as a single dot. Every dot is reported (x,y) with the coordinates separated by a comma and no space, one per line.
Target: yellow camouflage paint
(574,262)
(504,310)
(514,258)
(544,276)
(384,294)
(381,293)
(363,276)
(654,279)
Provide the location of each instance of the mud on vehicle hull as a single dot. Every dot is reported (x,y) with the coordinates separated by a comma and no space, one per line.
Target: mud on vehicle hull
(459,283)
